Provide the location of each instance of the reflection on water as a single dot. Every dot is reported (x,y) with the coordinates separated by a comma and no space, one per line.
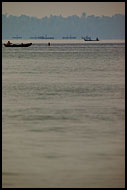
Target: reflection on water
(63,115)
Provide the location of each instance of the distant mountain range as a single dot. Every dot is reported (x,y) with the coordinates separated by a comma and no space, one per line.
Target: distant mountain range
(104,27)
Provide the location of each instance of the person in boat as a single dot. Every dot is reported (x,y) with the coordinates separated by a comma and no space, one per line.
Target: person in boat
(49,44)
(8,43)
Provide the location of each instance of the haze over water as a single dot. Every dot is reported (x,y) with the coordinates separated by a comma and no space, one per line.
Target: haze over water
(63,115)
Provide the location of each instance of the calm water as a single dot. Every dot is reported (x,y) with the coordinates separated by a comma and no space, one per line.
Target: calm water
(63,115)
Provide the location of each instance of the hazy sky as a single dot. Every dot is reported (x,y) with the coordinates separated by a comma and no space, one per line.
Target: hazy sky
(42,9)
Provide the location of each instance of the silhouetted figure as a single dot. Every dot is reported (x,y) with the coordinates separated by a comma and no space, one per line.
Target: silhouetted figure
(49,44)
(8,43)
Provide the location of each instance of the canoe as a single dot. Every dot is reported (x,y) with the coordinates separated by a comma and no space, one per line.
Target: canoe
(90,40)
(18,45)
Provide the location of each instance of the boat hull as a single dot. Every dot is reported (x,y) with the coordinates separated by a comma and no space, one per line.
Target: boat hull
(18,45)
(90,40)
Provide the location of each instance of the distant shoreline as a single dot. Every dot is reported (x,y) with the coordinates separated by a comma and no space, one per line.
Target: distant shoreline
(43,41)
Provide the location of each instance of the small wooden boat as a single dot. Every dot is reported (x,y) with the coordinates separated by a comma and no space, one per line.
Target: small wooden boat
(91,40)
(87,38)
(18,45)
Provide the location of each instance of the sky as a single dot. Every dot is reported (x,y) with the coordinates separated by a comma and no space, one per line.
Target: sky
(65,9)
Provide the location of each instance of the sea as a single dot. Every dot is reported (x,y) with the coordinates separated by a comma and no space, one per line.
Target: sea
(63,114)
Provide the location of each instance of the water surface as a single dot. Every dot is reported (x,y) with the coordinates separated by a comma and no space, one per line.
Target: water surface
(63,115)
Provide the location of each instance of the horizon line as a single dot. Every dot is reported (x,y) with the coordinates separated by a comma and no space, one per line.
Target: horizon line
(51,15)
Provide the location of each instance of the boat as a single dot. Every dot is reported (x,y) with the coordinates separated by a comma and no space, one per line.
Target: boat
(17,45)
(68,37)
(42,37)
(17,37)
(87,38)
